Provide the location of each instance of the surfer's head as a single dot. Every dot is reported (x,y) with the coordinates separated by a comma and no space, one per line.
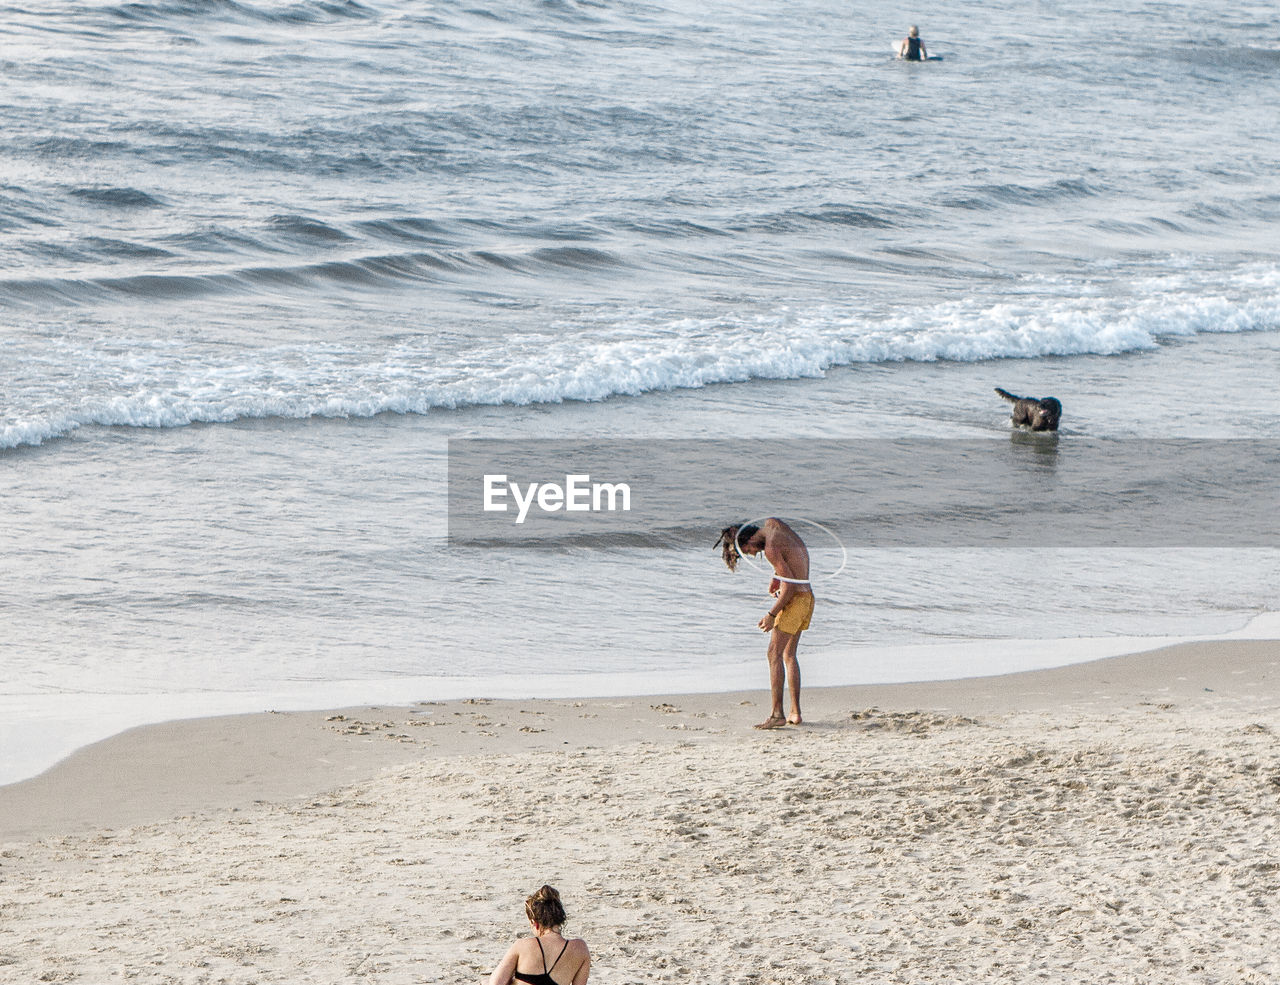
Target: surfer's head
(733,537)
(914,32)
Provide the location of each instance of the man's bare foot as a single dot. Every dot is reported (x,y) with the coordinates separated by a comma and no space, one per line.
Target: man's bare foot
(773,721)
(795,719)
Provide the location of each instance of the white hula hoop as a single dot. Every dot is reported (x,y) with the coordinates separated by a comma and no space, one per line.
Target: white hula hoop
(751,562)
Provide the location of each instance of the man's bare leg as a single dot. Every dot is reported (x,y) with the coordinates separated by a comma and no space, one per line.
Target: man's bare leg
(792,667)
(777,647)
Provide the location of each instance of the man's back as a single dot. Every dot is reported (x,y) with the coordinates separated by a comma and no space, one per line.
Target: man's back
(786,551)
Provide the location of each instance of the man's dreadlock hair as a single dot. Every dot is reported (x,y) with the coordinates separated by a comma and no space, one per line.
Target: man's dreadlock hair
(730,538)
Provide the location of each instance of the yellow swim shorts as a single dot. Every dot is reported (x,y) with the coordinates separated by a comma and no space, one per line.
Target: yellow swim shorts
(795,617)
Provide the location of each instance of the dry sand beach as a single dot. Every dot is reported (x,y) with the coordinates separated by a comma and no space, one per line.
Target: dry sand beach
(1107,822)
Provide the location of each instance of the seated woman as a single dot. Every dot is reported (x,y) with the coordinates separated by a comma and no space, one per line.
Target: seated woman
(912,47)
(548,957)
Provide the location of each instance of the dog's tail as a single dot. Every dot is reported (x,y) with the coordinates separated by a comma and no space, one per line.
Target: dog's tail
(1008,396)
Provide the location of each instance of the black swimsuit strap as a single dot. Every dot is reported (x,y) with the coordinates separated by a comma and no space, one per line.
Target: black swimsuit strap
(558,957)
(544,955)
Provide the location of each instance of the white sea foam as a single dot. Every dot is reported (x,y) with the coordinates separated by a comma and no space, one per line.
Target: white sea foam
(166,383)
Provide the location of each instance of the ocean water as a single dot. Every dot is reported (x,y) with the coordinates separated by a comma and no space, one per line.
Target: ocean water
(262,260)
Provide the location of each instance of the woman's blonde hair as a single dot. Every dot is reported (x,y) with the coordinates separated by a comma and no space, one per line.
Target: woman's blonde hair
(914,32)
(545,909)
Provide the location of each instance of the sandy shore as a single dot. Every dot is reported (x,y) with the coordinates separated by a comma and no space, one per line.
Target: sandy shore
(1108,822)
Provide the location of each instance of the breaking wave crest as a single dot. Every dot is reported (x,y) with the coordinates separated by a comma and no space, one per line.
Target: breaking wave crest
(172,383)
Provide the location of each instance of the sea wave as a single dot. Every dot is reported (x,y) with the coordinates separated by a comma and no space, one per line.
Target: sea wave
(367,272)
(172,383)
(123,198)
(990,197)
(305,12)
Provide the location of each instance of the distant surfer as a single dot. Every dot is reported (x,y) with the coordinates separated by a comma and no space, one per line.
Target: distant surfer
(789,615)
(912,47)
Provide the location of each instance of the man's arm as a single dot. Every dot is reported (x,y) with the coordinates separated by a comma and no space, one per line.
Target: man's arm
(788,591)
(789,588)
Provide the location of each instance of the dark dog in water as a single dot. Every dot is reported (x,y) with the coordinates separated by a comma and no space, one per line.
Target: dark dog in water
(1039,415)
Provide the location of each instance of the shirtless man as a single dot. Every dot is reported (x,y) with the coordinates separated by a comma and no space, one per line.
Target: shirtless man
(789,615)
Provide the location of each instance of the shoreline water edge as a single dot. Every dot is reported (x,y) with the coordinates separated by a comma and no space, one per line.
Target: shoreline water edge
(38,734)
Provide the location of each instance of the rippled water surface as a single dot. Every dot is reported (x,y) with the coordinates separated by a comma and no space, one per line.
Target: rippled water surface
(405,205)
